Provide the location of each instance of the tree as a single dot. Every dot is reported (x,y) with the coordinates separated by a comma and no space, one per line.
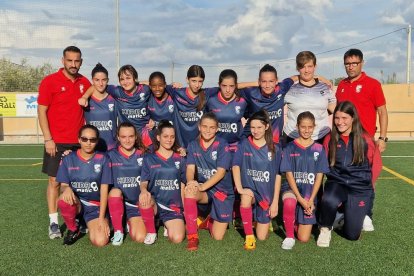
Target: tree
(22,77)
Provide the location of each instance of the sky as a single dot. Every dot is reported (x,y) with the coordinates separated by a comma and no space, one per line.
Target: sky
(171,35)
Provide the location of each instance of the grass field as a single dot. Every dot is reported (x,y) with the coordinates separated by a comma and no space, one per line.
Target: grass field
(26,249)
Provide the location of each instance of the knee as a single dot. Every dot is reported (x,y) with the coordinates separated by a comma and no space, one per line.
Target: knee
(262,237)
(138,237)
(52,183)
(99,241)
(217,236)
(352,236)
(303,239)
(176,237)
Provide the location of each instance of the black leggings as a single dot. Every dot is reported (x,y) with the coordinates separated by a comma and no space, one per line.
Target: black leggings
(356,206)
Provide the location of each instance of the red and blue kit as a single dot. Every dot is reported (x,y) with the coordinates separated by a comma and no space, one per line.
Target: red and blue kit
(160,110)
(186,116)
(164,178)
(85,178)
(102,114)
(65,116)
(367,95)
(126,173)
(258,170)
(207,161)
(304,163)
(133,108)
(229,115)
(273,104)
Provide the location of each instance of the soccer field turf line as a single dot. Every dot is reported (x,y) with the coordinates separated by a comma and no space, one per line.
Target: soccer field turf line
(400,176)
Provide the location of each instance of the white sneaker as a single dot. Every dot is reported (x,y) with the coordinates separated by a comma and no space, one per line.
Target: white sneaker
(165,232)
(288,243)
(150,238)
(54,231)
(339,221)
(118,238)
(324,237)
(367,226)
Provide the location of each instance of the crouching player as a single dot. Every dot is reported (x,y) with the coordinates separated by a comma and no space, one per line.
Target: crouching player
(162,181)
(208,181)
(126,164)
(257,179)
(85,175)
(304,162)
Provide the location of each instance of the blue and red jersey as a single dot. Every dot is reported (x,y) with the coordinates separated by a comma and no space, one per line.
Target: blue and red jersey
(126,173)
(186,115)
(208,160)
(229,115)
(102,114)
(304,163)
(164,178)
(258,169)
(272,103)
(160,110)
(85,176)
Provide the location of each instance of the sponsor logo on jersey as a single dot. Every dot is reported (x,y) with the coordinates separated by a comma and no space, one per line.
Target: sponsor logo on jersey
(97,168)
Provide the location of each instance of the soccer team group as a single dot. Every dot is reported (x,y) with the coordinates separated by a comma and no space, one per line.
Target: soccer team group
(131,154)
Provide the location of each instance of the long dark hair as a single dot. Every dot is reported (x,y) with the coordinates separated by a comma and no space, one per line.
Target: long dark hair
(193,72)
(358,133)
(161,126)
(138,141)
(263,117)
(227,74)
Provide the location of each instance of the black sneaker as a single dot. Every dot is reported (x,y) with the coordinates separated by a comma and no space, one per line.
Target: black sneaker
(71,237)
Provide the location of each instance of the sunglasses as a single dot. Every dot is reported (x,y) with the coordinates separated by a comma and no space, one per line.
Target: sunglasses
(93,140)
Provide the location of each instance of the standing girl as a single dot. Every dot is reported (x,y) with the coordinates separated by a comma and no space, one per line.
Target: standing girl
(208,181)
(162,181)
(85,175)
(101,110)
(126,163)
(355,164)
(257,178)
(304,162)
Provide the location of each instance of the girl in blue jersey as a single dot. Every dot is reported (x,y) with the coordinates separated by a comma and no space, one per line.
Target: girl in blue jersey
(84,176)
(126,163)
(208,181)
(228,107)
(101,110)
(355,164)
(304,162)
(131,100)
(162,181)
(257,178)
(160,104)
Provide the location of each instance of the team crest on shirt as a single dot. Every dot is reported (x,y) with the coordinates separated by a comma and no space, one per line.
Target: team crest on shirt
(279,96)
(214,155)
(358,88)
(81,88)
(237,109)
(171,108)
(62,89)
(177,165)
(139,161)
(142,96)
(269,156)
(111,107)
(97,168)
(315,156)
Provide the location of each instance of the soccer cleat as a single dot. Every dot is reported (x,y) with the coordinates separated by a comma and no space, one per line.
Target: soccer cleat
(238,223)
(288,243)
(324,237)
(204,225)
(150,238)
(199,220)
(165,232)
(339,221)
(367,226)
(192,242)
(54,231)
(250,242)
(118,238)
(71,237)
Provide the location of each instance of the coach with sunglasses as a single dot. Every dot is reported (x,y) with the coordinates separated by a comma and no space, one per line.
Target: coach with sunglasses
(367,96)
(60,118)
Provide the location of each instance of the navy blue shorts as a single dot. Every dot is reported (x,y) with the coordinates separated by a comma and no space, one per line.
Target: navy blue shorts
(261,209)
(221,206)
(301,217)
(166,213)
(89,210)
(131,210)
